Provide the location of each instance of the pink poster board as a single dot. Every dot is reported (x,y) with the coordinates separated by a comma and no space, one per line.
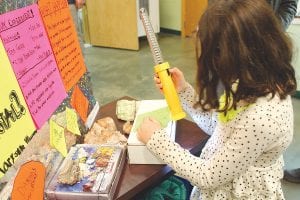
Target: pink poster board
(28,48)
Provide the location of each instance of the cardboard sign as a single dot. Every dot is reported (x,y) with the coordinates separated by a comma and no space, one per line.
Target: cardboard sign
(30,182)
(64,41)
(80,103)
(32,59)
(57,138)
(162,115)
(16,125)
(72,124)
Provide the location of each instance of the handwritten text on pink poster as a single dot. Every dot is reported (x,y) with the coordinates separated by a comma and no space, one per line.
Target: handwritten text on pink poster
(33,62)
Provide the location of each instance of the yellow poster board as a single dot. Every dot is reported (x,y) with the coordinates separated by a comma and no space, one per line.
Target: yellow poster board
(16,125)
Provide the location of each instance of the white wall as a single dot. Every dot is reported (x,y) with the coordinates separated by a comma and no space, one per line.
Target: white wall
(170,14)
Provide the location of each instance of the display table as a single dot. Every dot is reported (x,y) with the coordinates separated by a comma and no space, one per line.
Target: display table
(137,178)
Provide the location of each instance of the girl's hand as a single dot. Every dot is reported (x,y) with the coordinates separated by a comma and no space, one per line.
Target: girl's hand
(177,77)
(147,128)
(79,3)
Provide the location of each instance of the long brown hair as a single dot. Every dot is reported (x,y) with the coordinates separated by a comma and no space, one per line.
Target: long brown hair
(242,40)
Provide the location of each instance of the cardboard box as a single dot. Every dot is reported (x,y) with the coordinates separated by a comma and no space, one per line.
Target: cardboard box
(138,153)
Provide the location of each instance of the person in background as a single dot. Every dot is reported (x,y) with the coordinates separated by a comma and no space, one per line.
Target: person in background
(242,99)
(285,10)
(74,5)
(292,175)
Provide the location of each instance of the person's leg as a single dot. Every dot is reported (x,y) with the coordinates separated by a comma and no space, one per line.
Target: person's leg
(74,14)
(297,94)
(292,175)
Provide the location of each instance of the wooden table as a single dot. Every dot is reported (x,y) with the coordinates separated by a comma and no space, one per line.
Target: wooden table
(137,178)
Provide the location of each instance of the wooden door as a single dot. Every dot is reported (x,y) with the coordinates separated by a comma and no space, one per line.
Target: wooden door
(191,13)
(113,23)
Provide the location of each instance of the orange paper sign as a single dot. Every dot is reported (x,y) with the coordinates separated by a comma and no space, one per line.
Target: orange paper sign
(80,103)
(64,41)
(30,181)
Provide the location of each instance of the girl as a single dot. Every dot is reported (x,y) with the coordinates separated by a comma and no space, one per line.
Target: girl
(244,82)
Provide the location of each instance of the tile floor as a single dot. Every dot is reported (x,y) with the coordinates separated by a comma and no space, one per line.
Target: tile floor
(117,72)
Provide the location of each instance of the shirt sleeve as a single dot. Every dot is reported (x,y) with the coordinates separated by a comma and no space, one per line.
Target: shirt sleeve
(287,11)
(246,143)
(205,120)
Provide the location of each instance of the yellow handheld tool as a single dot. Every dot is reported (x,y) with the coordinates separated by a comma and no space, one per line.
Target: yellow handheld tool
(162,69)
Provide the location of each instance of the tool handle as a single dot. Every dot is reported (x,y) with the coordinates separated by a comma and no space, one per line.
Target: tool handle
(169,91)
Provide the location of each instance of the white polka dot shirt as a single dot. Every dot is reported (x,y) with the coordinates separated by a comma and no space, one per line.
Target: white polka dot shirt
(243,157)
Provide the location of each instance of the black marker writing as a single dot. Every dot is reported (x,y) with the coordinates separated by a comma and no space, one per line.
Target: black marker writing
(15,111)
